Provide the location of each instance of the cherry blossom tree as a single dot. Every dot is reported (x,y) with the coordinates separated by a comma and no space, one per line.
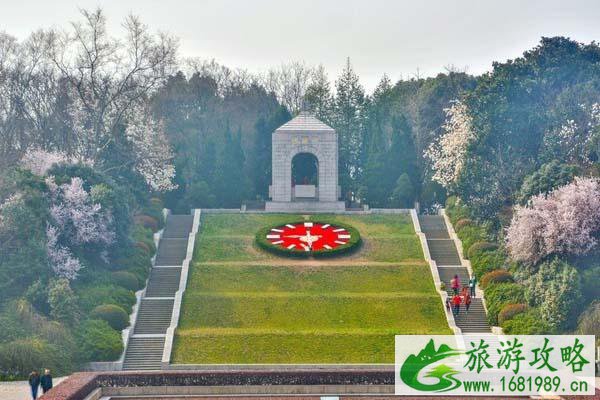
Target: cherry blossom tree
(79,219)
(75,221)
(40,161)
(566,221)
(153,155)
(574,140)
(62,261)
(110,80)
(448,153)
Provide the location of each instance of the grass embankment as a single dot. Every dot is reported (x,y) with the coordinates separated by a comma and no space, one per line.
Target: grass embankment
(244,305)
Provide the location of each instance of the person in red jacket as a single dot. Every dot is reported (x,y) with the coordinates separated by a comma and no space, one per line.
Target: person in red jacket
(456,300)
(455,284)
(467,302)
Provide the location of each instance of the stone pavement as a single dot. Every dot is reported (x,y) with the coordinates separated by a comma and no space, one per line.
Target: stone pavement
(19,390)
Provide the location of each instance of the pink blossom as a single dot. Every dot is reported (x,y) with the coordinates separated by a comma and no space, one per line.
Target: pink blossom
(40,161)
(565,221)
(80,220)
(61,260)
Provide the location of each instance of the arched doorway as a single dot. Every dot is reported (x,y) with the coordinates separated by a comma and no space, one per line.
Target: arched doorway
(305,177)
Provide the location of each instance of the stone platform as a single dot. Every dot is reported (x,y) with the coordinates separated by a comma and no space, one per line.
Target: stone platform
(305,206)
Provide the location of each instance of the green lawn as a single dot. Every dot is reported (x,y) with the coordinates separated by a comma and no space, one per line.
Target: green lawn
(230,237)
(243,305)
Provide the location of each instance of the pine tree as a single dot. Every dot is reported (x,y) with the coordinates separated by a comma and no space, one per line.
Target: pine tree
(318,98)
(373,190)
(349,121)
(231,179)
(260,165)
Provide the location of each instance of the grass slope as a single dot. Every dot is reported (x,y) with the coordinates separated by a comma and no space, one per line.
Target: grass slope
(243,305)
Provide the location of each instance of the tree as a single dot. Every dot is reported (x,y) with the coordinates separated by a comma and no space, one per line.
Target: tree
(152,152)
(404,192)
(108,82)
(448,154)
(230,172)
(63,303)
(566,221)
(555,288)
(517,110)
(260,160)
(318,97)
(289,83)
(349,119)
(548,177)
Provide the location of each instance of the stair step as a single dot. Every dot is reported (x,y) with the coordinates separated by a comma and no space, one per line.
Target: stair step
(178,226)
(443,250)
(171,251)
(163,282)
(144,353)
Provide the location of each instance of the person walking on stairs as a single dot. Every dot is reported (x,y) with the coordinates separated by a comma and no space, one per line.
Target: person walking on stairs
(456,303)
(472,285)
(455,284)
(34,382)
(467,302)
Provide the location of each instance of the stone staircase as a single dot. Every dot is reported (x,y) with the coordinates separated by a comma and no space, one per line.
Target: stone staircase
(443,251)
(145,347)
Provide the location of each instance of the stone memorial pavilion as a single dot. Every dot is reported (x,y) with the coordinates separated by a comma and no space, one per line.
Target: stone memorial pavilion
(304,167)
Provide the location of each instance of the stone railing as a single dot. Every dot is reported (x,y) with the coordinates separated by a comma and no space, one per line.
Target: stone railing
(96,385)
(434,272)
(170,334)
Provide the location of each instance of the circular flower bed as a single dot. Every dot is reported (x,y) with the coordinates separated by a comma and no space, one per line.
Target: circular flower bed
(309,238)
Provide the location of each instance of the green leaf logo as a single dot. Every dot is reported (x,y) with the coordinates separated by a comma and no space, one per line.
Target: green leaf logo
(409,372)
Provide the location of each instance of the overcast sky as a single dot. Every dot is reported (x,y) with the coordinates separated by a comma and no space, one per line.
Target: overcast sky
(396,37)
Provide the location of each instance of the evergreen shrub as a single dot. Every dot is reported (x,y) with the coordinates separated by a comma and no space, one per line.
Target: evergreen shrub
(114,315)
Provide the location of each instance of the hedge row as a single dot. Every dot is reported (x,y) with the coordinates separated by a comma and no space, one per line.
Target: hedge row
(352,245)
(107,301)
(505,298)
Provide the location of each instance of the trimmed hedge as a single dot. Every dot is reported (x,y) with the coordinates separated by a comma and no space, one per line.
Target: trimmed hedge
(92,297)
(463,222)
(352,245)
(498,295)
(469,235)
(529,322)
(496,276)
(480,247)
(114,315)
(97,341)
(487,261)
(127,280)
(509,311)
(146,221)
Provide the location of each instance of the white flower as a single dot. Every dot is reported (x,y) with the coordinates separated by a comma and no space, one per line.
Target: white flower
(448,153)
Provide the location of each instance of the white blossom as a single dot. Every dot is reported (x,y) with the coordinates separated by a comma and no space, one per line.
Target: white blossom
(40,161)
(153,154)
(573,139)
(79,220)
(448,153)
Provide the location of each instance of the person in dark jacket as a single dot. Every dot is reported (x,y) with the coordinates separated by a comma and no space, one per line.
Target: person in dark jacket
(46,381)
(34,382)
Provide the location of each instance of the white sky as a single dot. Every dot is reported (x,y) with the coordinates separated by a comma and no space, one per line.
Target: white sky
(396,37)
